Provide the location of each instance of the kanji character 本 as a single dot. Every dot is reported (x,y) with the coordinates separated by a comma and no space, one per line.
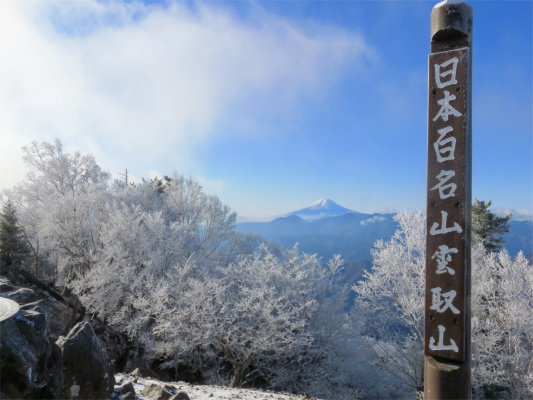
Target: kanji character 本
(440,345)
(440,150)
(443,258)
(451,72)
(440,302)
(435,230)
(445,107)
(444,177)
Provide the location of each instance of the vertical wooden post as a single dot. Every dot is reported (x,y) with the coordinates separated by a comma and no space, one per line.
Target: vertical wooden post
(447,340)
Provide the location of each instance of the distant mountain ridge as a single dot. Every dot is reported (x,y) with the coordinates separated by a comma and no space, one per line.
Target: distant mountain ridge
(353,235)
(326,228)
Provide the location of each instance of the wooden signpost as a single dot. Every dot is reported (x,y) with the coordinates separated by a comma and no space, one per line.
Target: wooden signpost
(447,370)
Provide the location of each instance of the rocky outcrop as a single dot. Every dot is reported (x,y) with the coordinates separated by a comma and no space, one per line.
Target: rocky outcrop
(60,316)
(88,374)
(57,313)
(30,362)
(33,365)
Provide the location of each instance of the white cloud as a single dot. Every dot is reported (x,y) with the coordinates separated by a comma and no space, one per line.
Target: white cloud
(136,85)
(212,186)
(373,220)
(518,215)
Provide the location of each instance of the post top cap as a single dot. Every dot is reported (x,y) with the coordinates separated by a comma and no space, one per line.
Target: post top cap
(451,18)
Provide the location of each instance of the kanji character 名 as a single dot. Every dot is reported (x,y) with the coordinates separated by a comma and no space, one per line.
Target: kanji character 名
(448,190)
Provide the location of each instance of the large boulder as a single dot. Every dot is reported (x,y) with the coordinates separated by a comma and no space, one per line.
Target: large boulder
(30,364)
(88,373)
(156,392)
(58,314)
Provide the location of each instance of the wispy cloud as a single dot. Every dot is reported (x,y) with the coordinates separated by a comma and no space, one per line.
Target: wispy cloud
(518,215)
(135,84)
(373,220)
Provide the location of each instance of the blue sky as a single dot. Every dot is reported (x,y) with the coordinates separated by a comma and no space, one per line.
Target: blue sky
(271,105)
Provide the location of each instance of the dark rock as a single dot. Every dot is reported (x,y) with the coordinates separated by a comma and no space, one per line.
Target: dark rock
(88,374)
(116,344)
(170,388)
(180,396)
(126,388)
(23,295)
(29,365)
(59,316)
(57,313)
(6,285)
(156,392)
(128,396)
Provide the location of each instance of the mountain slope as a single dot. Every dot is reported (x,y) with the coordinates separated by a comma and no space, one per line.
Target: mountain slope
(519,238)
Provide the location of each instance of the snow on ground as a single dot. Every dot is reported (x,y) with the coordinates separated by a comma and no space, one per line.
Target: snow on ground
(207,392)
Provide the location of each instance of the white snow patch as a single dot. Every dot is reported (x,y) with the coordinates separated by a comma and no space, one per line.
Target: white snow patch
(75,390)
(448,2)
(322,203)
(207,392)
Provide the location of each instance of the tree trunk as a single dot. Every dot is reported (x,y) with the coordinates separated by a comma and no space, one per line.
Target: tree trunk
(238,372)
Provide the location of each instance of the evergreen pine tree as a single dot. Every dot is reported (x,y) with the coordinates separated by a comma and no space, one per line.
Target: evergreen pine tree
(13,246)
(487,227)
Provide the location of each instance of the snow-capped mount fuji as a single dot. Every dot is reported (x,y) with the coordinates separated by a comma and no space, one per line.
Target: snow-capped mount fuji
(320,209)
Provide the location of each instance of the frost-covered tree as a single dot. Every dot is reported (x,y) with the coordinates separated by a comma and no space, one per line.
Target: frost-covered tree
(206,224)
(54,171)
(66,200)
(59,204)
(390,301)
(148,237)
(502,325)
(264,315)
(390,304)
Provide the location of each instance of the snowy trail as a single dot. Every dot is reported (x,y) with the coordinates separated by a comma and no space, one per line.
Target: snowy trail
(208,392)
